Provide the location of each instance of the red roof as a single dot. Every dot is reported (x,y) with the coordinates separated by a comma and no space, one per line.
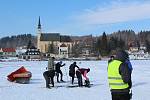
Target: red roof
(8,50)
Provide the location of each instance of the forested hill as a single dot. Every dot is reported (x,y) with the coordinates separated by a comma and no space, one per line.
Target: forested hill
(17,41)
(129,35)
(126,36)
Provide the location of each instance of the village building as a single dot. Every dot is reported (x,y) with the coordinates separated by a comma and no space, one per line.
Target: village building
(63,51)
(51,43)
(84,46)
(20,50)
(137,52)
(31,53)
(7,52)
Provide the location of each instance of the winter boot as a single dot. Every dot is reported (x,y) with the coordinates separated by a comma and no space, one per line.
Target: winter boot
(47,86)
(87,83)
(62,80)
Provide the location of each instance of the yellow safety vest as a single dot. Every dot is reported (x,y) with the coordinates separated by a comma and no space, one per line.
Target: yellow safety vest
(114,78)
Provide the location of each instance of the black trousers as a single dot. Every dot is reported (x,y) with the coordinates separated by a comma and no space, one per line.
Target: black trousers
(72,75)
(49,77)
(61,75)
(120,96)
(79,76)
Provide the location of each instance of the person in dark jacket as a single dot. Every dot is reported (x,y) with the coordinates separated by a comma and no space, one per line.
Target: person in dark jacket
(119,77)
(129,65)
(49,75)
(58,71)
(72,71)
(82,72)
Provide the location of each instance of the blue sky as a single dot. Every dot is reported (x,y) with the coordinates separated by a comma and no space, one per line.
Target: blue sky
(73,17)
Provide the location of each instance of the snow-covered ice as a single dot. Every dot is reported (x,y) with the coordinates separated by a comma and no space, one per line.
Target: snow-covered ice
(98,76)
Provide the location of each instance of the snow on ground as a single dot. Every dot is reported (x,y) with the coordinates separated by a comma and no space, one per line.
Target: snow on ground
(98,76)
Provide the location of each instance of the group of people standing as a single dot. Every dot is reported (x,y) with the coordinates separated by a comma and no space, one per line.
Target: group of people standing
(119,75)
(55,69)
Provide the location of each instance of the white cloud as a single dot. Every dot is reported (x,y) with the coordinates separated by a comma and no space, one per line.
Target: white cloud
(107,17)
(115,13)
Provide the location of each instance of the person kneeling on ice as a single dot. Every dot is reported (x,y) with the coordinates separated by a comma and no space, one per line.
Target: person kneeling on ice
(49,75)
(82,72)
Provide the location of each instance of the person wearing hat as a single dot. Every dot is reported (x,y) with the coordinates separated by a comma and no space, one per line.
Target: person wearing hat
(58,71)
(119,77)
(83,72)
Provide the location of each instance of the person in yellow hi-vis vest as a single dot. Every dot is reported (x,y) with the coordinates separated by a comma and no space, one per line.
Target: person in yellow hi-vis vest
(119,77)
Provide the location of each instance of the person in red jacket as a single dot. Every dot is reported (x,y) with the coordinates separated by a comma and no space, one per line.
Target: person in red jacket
(82,72)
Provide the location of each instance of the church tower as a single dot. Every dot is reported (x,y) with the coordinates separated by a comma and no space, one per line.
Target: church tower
(39,25)
(39,31)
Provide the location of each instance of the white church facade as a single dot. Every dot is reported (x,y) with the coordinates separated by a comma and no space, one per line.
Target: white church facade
(52,43)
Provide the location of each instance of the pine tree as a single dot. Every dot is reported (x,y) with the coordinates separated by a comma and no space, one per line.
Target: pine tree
(29,44)
(147,43)
(104,45)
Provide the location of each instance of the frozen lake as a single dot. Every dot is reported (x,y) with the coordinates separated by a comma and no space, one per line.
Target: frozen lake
(98,76)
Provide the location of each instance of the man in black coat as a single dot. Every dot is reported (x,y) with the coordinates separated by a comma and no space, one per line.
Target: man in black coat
(72,70)
(125,72)
(58,71)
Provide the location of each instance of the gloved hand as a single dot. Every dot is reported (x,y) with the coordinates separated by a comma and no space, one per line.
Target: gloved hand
(130,93)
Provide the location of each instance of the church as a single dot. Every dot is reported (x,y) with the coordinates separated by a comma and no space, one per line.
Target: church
(55,44)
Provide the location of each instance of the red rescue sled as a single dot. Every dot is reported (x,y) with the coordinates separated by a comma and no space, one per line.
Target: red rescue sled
(20,76)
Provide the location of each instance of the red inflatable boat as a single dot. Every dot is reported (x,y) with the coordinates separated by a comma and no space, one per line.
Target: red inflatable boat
(20,76)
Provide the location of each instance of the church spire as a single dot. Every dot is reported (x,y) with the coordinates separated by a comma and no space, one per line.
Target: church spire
(39,24)
(39,31)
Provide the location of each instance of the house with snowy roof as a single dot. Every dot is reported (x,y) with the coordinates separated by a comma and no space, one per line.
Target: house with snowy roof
(63,51)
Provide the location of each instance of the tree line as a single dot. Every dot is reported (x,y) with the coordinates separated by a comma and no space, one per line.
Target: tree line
(109,44)
(105,44)
(17,41)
